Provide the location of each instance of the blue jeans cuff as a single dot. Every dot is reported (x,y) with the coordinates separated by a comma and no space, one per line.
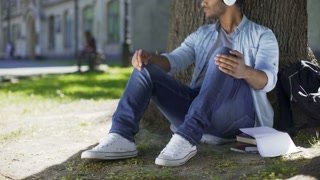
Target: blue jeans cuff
(122,134)
(184,135)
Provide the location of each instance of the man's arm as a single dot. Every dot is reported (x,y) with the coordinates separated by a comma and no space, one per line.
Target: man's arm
(177,60)
(255,78)
(234,66)
(161,61)
(142,57)
(263,76)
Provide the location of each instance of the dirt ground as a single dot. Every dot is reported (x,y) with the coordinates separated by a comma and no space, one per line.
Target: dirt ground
(35,138)
(44,141)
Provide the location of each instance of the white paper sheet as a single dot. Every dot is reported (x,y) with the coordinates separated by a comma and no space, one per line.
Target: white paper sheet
(258,131)
(270,142)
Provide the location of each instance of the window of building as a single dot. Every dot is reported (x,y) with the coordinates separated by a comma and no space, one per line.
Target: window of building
(15,33)
(24,5)
(14,7)
(113,21)
(5,37)
(67,21)
(4,9)
(9,6)
(51,33)
(88,18)
(57,24)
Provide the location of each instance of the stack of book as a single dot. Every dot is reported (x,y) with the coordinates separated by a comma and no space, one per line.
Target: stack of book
(245,144)
(266,141)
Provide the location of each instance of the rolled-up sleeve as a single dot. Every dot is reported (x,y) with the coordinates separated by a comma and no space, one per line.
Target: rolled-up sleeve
(184,55)
(267,59)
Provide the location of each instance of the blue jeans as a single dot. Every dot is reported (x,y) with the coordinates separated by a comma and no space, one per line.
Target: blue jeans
(220,107)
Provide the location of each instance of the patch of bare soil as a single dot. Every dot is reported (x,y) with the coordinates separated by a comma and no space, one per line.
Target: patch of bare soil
(44,141)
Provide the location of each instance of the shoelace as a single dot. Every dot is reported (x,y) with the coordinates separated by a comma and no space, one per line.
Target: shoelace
(105,142)
(107,139)
(175,146)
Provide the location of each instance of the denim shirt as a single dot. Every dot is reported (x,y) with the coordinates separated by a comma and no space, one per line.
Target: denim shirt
(259,47)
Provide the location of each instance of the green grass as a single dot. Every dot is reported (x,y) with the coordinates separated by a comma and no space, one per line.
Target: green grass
(315,140)
(143,173)
(211,162)
(307,139)
(109,85)
(277,168)
(11,135)
(14,135)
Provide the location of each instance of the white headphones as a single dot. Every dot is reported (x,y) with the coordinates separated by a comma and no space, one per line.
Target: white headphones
(229,2)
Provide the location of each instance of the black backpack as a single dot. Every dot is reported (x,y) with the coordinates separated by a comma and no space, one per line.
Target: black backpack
(299,84)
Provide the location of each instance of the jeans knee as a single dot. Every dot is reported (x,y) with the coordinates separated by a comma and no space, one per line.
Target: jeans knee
(146,70)
(151,68)
(154,71)
(140,76)
(149,73)
(222,50)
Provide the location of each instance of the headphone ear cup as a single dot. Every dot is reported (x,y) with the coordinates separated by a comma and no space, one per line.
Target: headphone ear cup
(229,2)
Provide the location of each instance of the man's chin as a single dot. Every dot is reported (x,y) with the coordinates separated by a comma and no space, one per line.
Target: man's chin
(210,17)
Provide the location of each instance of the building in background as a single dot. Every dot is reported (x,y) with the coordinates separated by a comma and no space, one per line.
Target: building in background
(1,33)
(48,28)
(150,33)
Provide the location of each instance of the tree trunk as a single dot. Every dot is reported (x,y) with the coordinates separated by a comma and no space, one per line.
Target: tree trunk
(289,21)
(186,17)
(287,18)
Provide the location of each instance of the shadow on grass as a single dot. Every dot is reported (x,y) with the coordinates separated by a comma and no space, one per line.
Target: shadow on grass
(211,162)
(73,86)
(141,167)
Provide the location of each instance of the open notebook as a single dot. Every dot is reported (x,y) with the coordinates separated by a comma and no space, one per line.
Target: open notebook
(270,142)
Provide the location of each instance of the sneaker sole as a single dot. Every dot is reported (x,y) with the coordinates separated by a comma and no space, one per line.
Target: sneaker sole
(177,162)
(109,155)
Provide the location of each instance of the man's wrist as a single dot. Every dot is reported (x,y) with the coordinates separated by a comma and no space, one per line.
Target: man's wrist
(247,72)
(153,57)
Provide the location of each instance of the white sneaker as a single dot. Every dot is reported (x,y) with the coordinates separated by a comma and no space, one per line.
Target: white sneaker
(114,146)
(177,152)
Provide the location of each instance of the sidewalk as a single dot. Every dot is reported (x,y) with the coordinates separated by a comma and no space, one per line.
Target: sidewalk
(48,134)
(36,67)
(32,71)
(22,63)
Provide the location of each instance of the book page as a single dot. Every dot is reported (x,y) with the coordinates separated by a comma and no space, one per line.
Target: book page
(258,131)
(276,145)
(270,142)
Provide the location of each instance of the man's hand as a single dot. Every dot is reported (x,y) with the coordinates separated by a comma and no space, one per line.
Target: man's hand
(232,65)
(140,58)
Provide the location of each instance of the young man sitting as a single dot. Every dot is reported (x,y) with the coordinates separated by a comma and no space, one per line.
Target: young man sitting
(227,91)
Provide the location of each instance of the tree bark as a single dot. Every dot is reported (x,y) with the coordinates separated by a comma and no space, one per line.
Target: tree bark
(288,19)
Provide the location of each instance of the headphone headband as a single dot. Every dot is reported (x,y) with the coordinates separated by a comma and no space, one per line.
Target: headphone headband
(229,2)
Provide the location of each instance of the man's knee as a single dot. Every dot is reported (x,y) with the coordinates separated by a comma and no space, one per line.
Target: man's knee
(154,71)
(149,72)
(223,50)
(220,51)
(152,68)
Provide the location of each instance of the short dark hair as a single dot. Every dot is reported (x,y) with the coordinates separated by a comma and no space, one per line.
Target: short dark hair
(240,3)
